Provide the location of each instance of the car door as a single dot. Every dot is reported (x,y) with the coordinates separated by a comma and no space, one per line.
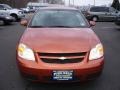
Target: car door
(113,13)
(99,12)
(110,14)
(1,10)
(105,15)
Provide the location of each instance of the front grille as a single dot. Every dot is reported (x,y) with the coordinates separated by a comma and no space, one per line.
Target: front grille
(62,58)
(62,54)
(47,60)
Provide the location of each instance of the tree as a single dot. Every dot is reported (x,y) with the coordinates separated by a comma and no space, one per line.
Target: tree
(116,4)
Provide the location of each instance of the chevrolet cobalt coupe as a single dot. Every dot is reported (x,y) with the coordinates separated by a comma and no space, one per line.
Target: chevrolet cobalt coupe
(59,46)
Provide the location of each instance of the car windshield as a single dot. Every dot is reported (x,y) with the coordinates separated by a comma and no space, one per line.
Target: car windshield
(8,7)
(58,18)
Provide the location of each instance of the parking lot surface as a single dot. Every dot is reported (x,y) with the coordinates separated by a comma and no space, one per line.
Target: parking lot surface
(10,78)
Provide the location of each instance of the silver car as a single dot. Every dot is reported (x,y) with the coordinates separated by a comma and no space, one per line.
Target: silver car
(101,13)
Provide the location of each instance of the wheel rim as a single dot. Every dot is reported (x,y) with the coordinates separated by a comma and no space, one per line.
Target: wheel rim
(15,17)
(94,18)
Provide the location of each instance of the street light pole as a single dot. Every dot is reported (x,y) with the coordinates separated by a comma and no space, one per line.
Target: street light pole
(64,2)
(73,2)
(94,2)
(69,2)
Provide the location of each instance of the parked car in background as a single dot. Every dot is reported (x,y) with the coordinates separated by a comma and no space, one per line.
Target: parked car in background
(5,17)
(16,13)
(32,6)
(59,46)
(25,10)
(31,9)
(101,13)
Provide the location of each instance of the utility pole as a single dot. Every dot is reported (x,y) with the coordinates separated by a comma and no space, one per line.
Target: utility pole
(69,2)
(73,2)
(94,2)
(64,2)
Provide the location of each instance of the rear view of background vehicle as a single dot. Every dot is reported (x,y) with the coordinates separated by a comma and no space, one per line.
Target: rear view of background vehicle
(102,13)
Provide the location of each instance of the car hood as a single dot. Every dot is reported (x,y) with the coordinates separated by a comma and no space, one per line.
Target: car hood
(60,40)
(15,10)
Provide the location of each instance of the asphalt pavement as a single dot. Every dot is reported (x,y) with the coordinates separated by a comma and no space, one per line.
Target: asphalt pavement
(10,78)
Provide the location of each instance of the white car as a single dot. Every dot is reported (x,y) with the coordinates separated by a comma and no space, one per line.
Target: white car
(25,10)
(16,13)
(6,19)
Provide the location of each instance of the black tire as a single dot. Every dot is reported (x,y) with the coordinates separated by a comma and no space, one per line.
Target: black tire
(15,16)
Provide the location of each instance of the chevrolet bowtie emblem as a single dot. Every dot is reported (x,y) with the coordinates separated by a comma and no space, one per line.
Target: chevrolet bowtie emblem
(62,58)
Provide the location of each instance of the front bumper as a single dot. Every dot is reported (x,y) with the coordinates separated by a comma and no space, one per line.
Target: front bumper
(42,72)
(20,16)
(9,19)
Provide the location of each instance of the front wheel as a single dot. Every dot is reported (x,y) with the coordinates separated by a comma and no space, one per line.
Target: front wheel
(15,17)
(95,18)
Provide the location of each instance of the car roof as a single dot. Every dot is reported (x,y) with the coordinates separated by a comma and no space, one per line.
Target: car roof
(58,8)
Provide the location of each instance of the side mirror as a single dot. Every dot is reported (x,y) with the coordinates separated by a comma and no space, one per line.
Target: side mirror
(92,23)
(24,22)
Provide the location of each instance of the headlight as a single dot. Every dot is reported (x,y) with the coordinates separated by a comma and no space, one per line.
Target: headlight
(19,12)
(97,52)
(25,52)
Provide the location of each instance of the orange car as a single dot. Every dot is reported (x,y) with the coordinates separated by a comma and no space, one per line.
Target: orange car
(59,46)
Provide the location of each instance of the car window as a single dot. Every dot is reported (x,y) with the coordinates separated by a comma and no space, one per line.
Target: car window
(1,7)
(7,7)
(58,18)
(99,9)
(113,10)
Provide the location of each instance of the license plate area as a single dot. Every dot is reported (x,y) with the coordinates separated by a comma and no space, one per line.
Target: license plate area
(66,75)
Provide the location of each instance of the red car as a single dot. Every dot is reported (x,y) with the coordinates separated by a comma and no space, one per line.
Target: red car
(59,46)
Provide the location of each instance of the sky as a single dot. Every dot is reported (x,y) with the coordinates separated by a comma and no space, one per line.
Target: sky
(91,2)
